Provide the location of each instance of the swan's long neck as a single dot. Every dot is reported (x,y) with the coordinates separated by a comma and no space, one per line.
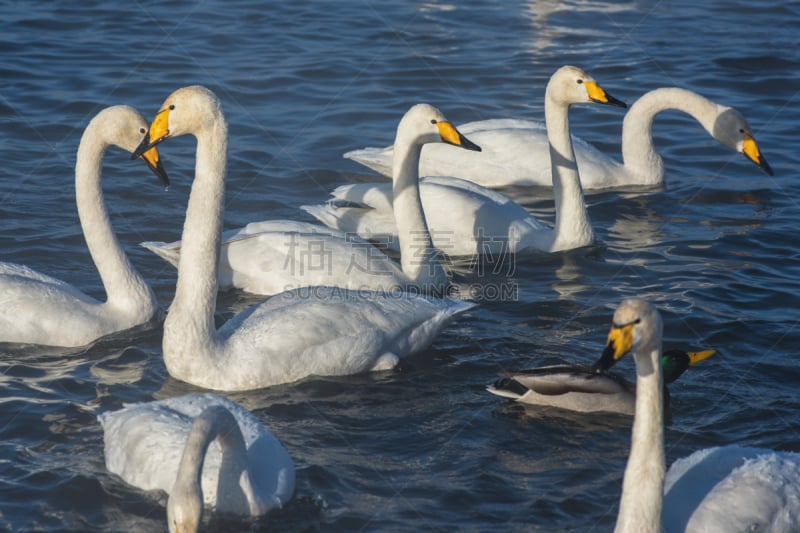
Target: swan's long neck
(643,485)
(638,152)
(214,423)
(418,258)
(190,336)
(573,227)
(128,294)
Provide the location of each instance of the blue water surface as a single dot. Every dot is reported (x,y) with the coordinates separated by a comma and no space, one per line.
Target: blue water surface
(425,448)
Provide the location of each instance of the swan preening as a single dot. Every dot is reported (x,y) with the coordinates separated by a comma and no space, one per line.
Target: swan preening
(515,152)
(721,489)
(295,334)
(276,255)
(39,309)
(202,450)
(584,389)
(466,219)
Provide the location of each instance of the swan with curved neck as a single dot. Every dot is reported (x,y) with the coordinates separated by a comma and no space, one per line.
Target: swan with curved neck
(39,309)
(742,489)
(478,220)
(274,255)
(317,330)
(515,151)
(211,451)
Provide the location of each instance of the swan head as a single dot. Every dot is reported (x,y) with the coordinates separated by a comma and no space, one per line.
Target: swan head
(731,129)
(571,85)
(125,127)
(424,124)
(636,328)
(185,508)
(187,110)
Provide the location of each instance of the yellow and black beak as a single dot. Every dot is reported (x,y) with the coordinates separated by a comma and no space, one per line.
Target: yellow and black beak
(696,357)
(158,132)
(451,135)
(751,152)
(153,160)
(599,95)
(620,342)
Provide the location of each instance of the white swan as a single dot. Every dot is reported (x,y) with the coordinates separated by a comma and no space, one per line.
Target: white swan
(583,389)
(722,489)
(466,219)
(515,152)
(315,330)
(277,255)
(39,309)
(201,449)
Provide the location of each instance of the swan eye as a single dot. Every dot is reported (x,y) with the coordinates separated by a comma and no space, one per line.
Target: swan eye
(433,121)
(142,131)
(580,81)
(171,107)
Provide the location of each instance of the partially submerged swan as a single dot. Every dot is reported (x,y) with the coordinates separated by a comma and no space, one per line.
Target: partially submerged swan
(202,450)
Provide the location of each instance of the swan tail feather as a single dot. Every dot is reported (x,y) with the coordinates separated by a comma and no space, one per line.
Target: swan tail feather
(169,252)
(377,159)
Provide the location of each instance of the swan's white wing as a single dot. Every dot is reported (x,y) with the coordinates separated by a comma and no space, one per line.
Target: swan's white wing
(733,488)
(270,262)
(464,218)
(503,143)
(513,152)
(272,256)
(144,444)
(38,309)
(328,331)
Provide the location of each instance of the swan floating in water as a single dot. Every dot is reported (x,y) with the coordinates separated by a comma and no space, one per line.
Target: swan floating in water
(39,309)
(292,335)
(721,489)
(515,152)
(466,219)
(202,450)
(277,255)
(584,389)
